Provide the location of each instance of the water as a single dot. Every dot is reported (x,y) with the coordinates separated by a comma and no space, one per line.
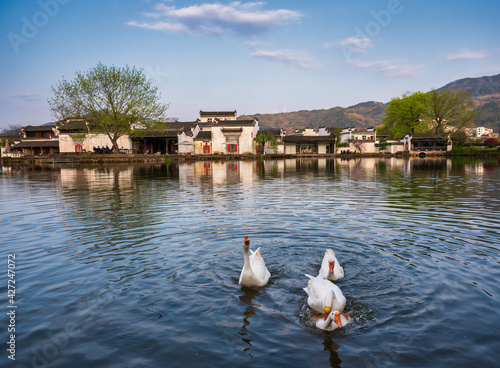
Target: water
(138,266)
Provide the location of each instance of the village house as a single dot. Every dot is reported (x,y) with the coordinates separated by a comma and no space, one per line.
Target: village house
(426,143)
(221,133)
(37,141)
(213,133)
(310,141)
(74,136)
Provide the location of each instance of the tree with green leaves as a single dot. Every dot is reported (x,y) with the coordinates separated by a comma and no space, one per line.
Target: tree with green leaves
(382,145)
(451,109)
(113,100)
(407,114)
(261,139)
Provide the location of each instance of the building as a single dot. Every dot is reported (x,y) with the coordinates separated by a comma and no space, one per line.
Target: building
(347,134)
(220,133)
(75,136)
(274,135)
(426,143)
(310,141)
(37,141)
(480,132)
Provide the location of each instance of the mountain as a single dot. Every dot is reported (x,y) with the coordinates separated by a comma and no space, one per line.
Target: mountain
(485,92)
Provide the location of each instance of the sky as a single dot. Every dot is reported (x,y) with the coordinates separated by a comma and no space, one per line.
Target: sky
(252,56)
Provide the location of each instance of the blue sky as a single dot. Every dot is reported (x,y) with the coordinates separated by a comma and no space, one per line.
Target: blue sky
(255,57)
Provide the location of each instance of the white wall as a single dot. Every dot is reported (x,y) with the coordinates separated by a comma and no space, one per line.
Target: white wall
(67,143)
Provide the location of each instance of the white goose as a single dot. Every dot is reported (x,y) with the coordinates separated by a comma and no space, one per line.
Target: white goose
(254,272)
(330,323)
(324,294)
(330,267)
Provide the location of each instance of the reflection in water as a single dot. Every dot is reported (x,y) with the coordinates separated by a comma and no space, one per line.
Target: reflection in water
(248,296)
(332,347)
(147,258)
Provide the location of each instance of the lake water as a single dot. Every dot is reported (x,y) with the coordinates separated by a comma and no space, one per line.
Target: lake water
(138,266)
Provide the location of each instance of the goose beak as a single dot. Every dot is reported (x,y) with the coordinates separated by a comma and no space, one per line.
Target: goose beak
(327,312)
(337,319)
(332,263)
(246,241)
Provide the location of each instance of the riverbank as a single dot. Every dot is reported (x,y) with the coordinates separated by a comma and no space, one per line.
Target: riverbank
(92,158)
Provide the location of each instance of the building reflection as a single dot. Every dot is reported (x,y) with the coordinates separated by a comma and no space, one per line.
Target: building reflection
(97,178)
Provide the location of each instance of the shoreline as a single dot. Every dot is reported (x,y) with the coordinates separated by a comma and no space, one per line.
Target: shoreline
(92,158)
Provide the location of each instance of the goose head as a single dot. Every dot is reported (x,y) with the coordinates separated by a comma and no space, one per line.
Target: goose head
(330,323)
(331,265)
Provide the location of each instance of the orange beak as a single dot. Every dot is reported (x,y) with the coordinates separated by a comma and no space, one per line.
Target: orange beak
(337,319)
(327,312)
(332,263)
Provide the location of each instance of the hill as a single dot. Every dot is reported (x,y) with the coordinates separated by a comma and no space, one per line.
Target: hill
(485,91)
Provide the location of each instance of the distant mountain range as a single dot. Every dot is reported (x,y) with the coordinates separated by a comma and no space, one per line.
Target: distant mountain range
(485,91)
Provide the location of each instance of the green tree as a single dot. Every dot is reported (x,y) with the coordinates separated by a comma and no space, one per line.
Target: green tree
(382,145)
(459,137)
(274,143)
(261,139)
(406,114)
(451,109)
(114,100)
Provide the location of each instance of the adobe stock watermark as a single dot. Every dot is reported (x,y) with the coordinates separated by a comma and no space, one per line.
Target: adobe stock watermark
(363,36)
(31,25)
(156,75)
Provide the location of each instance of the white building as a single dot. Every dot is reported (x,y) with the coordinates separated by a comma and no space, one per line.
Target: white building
(74,136)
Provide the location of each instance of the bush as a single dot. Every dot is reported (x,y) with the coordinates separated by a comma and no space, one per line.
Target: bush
(491,142)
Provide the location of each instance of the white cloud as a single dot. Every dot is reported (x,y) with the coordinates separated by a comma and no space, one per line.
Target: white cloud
(28,96)
(234,17)
(390,68)
(354,44)
(257,43)
(296,59)
(160,26)
(467,55)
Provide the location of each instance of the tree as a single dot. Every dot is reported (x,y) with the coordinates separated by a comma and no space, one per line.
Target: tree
(459,137)
(406,114)
(382,144)
(114,100)
(451,109)
(12,130)
(491,142)
(261,139)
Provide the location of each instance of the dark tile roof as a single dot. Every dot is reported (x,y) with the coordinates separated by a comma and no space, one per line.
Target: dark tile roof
(232,129)
(185,126)
(271,132)
(36,144)
(71,125)
(427,137)
(204,135)
(308,138)
(235,122)
(39,128)
(217,113)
